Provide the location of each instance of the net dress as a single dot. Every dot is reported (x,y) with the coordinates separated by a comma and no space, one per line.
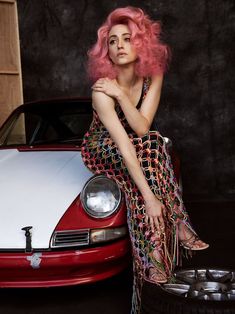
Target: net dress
(101,155)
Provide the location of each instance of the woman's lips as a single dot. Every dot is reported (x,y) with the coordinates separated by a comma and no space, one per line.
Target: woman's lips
(121,54)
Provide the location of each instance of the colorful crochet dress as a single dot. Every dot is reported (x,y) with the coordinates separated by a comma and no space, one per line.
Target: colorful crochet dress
(101,155)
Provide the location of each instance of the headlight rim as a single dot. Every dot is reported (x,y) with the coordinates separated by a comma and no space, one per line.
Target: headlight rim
(82,198)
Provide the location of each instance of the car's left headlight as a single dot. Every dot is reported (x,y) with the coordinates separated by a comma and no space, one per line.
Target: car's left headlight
(101,197)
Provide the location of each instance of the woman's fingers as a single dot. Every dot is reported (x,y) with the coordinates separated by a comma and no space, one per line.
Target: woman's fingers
(98,83)
(164,211)
(156,222)
(161,222)
(151,222)
(98,87)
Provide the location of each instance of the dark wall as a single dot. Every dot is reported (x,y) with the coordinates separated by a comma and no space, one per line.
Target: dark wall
(197,104)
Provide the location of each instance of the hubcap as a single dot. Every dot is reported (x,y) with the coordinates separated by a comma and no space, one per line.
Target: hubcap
(203,284)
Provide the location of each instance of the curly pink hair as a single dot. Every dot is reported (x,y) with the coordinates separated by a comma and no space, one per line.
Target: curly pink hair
(153,55)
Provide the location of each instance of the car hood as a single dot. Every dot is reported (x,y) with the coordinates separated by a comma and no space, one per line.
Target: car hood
(36,188)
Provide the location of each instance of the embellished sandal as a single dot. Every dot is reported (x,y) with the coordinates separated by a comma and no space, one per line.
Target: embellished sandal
(156,275)
(193,243)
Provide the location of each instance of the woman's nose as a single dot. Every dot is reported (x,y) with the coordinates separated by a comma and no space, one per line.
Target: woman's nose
(120,44)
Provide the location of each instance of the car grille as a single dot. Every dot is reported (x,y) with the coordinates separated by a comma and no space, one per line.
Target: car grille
(70,238)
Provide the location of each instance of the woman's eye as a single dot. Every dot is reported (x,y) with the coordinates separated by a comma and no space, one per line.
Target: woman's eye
(128,39)
(112,42)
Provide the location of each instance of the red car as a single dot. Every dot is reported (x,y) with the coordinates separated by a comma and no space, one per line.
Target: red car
(60,224)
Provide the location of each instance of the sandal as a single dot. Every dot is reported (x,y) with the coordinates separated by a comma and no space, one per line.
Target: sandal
(193,243)
(156,275)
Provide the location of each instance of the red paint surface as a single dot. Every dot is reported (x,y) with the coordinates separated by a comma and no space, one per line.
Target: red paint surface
(65,267)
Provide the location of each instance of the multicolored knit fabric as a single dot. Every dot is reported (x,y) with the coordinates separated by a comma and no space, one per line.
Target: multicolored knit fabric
(101,155)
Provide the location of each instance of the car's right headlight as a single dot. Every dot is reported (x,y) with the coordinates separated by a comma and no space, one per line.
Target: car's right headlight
(101,197)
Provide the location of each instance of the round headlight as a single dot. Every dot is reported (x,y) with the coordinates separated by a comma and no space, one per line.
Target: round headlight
(100,197)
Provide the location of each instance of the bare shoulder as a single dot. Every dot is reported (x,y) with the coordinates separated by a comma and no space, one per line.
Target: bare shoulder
(101,100)
(156,79)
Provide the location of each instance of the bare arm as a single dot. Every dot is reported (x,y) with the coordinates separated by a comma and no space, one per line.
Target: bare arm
(104,106)
(139,120)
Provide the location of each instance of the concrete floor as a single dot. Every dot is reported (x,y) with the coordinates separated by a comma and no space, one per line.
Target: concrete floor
(215,222)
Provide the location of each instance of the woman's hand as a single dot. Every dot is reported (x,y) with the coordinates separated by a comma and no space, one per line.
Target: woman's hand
(107,86)
(154,214)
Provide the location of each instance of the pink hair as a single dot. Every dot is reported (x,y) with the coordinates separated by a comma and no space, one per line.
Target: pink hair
(145,36)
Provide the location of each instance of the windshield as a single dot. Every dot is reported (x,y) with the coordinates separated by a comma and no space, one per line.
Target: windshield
(47,124)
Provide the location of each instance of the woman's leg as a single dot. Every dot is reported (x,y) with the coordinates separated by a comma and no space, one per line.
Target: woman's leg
(163,243)
(157,167)
(173,198)
(150,248)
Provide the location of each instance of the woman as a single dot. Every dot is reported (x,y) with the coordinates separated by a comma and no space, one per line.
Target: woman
(127,64)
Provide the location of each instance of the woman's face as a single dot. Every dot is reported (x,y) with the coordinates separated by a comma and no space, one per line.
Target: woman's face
(121,51)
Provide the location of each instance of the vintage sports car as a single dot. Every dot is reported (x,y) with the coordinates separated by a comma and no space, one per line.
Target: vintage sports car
(60,224)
